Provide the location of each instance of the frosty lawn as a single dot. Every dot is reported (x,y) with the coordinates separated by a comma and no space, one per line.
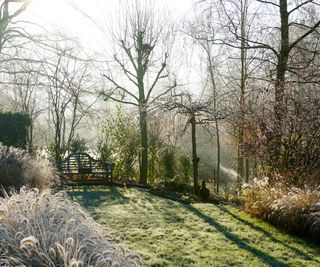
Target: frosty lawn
(167,233)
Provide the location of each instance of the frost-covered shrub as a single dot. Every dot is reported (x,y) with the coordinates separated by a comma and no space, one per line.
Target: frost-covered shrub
(50,230)
(18,168)
(290,208)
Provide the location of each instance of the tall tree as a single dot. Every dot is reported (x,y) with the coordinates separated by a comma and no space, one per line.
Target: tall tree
(7,17)
(142,55)
(27,87)
(69,83)
(212,32)
(198,112)
(292,30)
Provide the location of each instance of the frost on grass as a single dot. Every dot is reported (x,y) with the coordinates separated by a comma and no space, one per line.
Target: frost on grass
(50,230)
(291,208)
(18,168)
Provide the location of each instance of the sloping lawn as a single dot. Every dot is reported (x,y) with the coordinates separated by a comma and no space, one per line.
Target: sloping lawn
(168,233)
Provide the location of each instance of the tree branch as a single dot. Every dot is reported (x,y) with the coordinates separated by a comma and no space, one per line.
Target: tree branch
(128,52)
(164,93)
(157,77)
(109,96)
(312,29)
(120,87)
(126,71)
(298,6)
(268,2)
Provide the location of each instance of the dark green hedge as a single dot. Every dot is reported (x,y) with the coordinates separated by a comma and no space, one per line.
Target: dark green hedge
(13,129)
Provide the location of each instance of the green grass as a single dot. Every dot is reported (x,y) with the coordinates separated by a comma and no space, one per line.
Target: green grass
(168,233)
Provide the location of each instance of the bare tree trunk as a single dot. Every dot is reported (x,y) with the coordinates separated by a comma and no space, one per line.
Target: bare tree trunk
(207,49)
(195,159)
(280,78)
(247,170)
(243,59)
(144,146)
(142,109)
(218,155)
(57,143)
(30,137)
(6,18)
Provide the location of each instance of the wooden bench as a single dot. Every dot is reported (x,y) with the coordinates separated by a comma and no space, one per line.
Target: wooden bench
(82,169)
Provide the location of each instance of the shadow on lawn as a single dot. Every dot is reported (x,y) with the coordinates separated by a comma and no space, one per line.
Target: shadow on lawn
(236,240)
(266,233)
(94,197)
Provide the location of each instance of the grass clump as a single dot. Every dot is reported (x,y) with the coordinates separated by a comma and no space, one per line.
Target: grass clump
(293,209)
(18,168)
(50,230)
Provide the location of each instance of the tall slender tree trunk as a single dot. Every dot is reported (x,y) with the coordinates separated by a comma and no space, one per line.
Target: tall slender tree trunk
(57,142)
(243,59)
(142,111)
(218,155)
(4,22)
(30,137)
(215,109)
(144,146)
(195,159)
(279,107)
(247,170)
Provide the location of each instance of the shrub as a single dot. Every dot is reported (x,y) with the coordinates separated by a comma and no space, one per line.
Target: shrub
(292,148)
(184,168)
(78,145)
(18,168)
(119,143)
(290,208)
(14,127)
(50,230)
(168,161)
(156,144)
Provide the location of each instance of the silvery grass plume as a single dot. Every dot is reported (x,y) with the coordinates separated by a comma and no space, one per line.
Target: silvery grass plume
(293,209)
(50,230)
(18,168)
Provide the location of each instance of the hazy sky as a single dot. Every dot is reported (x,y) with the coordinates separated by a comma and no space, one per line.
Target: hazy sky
(67,17)
(63,14)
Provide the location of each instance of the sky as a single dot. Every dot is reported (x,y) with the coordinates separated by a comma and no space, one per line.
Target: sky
(67,17)
(83,19)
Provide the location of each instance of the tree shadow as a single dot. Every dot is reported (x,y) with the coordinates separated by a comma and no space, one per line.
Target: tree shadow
(167,209)
(271,261)
(266,233)
(93,197)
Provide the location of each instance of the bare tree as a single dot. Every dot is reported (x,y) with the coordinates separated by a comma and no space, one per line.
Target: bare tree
(207,47)
(8,26)
(27,90)
(198,112)
(142,57)
(68,80)
(205,30)
(286,48)
(292,31)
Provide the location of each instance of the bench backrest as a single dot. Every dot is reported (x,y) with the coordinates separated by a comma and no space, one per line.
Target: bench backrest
(83,163)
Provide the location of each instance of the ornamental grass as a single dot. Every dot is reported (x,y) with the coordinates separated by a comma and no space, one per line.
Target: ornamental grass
(39,229)
(296,210)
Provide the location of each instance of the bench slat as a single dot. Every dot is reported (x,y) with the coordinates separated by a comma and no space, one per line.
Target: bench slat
(82,167)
